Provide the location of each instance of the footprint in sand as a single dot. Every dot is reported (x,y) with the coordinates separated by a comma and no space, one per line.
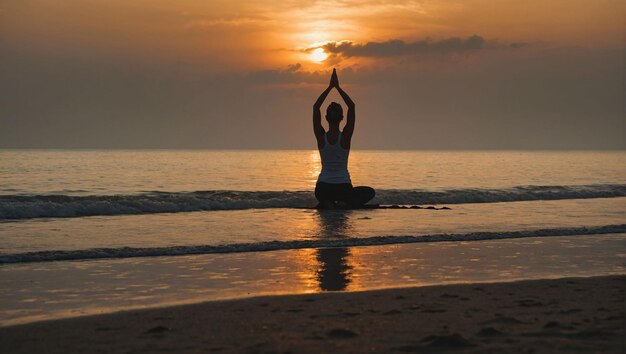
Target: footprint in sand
(392,312)
(158,329)
(504,320)
(489,332)
(433,311)
(341,333)
(437,343)
(529,303)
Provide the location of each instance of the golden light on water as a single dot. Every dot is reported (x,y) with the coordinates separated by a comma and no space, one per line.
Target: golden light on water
(318,55)
(315,166)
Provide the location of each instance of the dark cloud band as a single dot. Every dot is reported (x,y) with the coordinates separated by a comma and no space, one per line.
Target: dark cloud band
(397,47)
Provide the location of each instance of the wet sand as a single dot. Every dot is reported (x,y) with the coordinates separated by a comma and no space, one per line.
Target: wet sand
(52,290)
(572,314)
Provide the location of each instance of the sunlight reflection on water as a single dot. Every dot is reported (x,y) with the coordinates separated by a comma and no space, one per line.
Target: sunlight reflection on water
(31,292)
(76,172)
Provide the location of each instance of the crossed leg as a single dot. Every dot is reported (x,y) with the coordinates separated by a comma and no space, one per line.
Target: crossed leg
(360,196)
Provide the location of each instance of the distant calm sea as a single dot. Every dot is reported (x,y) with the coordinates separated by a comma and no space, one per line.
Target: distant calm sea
(57,204)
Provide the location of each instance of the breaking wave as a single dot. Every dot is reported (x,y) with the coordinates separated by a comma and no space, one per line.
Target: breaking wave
(129,252)
(44,206)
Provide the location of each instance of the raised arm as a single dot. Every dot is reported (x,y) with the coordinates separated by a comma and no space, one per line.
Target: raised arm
(349,127)
(317,116)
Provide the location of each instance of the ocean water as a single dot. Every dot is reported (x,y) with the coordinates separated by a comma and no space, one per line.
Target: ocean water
(65,205)
(87,232)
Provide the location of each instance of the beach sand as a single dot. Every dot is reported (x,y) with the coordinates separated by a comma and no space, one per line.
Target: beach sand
(572,314)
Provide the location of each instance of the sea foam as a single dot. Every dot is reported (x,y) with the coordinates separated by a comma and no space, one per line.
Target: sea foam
(46,206)
(129,252)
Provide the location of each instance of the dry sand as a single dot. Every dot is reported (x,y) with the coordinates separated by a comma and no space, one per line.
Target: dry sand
(564,315)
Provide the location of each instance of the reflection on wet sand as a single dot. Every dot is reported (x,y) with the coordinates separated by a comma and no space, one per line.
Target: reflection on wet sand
(49,290)
(334,270)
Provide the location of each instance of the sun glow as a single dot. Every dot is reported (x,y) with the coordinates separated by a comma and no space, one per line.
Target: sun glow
(318,55)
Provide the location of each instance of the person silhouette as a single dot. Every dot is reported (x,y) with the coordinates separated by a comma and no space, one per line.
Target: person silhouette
(334,188)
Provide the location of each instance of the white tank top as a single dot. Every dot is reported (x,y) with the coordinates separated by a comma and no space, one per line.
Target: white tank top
(334,162)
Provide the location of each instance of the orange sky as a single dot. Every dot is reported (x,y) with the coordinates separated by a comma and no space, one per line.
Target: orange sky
(253,35)
(448,73)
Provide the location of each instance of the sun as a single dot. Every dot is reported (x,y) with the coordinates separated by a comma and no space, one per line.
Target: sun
(318,55)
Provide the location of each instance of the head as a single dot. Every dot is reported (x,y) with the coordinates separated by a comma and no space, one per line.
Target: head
(334,113)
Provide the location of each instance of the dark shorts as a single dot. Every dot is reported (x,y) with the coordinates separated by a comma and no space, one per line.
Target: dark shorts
(343,192)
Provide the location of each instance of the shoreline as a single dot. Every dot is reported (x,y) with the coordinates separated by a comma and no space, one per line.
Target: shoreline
(53,290)
(269,246)
(585,314)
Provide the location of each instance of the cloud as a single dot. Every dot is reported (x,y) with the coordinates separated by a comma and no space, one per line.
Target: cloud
(294,67)
(398,47)
(293,74)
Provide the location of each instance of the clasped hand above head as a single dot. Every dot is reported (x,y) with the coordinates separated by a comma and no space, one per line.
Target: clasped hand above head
(334,80)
